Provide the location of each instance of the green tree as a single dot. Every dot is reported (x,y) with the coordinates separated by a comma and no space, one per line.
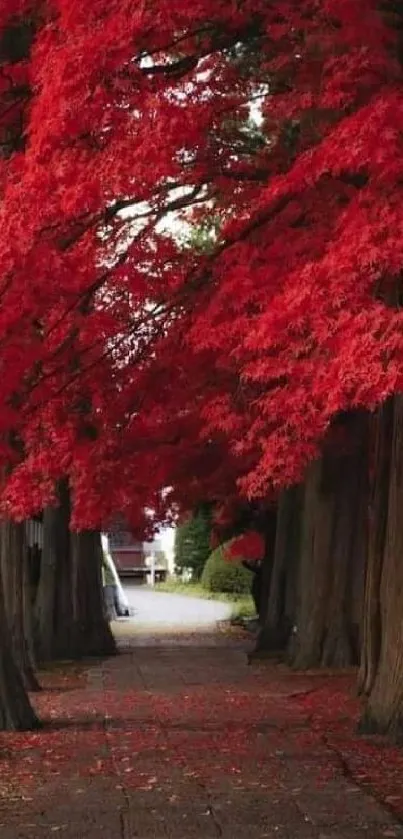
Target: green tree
(192,542)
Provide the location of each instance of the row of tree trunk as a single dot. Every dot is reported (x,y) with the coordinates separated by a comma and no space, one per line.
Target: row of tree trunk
(334,579)
(62,616)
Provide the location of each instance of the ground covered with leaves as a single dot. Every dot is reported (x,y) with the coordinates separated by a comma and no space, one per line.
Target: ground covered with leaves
(180,737)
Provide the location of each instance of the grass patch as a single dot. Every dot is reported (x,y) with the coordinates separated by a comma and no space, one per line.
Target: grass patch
(242,604)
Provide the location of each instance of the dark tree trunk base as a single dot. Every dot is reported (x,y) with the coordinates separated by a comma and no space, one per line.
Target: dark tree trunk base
(30,681)
(264,655)
(18,719)
(338,651)
(271,639)
(98,643)
(370,727)
(16,712)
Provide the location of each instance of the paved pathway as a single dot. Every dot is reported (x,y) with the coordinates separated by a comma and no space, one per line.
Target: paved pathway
(158,609)
(178,738)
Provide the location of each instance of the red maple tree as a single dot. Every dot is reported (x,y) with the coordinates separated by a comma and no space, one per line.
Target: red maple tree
(130,114)
(127,356)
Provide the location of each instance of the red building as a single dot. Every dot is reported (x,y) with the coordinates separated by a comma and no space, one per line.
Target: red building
(128,554)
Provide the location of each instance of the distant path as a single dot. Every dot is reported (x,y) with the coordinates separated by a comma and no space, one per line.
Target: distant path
(159,610)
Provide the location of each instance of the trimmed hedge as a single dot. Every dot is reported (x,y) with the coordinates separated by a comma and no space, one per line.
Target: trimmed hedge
(227,576)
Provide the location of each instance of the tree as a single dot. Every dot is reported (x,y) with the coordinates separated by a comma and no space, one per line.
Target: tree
(331,553)
(237,45)
(69,611)
(193,542)
(139,355)
(16,712)
(18,599)
(382,668)
(279,612)
(16,674)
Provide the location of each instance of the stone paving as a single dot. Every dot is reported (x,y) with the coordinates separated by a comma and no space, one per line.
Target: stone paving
(178,738)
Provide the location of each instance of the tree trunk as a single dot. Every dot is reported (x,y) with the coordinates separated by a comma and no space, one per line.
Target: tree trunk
(384,713)
(28,618)
(14,558)
(314,577)
(381,436)
(93,636)
(269,530)
(359,553)
(45,603)
(54,608)
(276,629)
(331,552)
(70,619)
(16,712)
(337,650)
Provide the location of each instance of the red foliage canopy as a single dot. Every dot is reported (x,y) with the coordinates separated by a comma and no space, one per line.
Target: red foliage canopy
(248,546)
(132,363)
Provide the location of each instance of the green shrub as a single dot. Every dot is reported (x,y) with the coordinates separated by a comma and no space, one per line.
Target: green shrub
(227,576)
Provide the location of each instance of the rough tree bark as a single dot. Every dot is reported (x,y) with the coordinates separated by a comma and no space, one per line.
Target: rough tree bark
(314,577)
(359,553)
(54,625)
(14,557)
(278,620)
(381,431)
(93,636)
(70,620)
(384,712)
(337,647)
(333,512)
(268,529)
(16,712)
(28,607)
(45,602)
